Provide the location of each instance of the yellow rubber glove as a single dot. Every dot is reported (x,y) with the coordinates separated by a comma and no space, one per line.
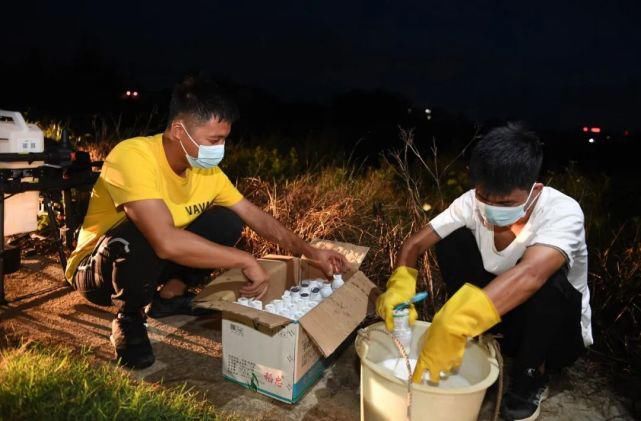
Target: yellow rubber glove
(401,287)
(467,313)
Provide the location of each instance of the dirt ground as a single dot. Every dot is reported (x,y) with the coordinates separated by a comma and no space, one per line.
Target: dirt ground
(188,350)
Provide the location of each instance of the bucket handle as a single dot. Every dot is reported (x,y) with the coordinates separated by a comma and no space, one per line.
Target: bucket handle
(364,333)
(489,342)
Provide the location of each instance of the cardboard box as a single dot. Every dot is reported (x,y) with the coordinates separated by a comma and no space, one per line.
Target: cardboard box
(277,356)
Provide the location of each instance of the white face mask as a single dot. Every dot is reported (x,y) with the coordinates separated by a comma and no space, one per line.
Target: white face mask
(502,216)
(209,156)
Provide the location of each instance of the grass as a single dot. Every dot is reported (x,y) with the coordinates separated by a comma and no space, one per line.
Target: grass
(53,383)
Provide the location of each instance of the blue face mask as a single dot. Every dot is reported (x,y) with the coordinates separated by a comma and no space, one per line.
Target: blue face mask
(209,156)
(503,216)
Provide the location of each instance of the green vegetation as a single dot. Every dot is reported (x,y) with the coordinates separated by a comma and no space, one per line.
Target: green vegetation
(38,383)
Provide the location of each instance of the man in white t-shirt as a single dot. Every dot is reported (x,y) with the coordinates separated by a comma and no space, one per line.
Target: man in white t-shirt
(512,253)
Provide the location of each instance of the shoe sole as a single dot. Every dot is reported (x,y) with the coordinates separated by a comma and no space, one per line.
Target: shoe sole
(536,414)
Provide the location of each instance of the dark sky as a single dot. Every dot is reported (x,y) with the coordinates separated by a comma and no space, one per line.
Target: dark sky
(555,64)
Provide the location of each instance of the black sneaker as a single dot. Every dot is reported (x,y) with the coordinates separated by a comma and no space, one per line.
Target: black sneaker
(183,304)
(522,401)
(129,338)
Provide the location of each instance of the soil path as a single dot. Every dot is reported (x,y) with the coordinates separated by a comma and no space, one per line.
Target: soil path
(188,349)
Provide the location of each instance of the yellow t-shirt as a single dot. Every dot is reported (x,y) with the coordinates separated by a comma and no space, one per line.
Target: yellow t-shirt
(137,169)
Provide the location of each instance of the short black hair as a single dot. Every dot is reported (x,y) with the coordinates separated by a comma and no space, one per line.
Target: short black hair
(201,99)
(506,158)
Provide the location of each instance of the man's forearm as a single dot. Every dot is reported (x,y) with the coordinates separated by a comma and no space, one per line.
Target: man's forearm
(512,288)
(409,253)
(416,245)
(191,250)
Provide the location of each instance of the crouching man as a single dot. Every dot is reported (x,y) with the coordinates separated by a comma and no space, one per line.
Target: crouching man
(512,254)
(162,215)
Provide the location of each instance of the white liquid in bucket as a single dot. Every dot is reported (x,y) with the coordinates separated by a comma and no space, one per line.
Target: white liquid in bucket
(399,368)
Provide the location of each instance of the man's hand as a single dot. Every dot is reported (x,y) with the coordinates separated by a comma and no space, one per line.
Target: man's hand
(257,280)
(328,261)
(467,313)
(401,287)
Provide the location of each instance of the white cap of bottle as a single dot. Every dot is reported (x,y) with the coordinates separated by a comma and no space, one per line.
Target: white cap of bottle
(326,291)
(338,281)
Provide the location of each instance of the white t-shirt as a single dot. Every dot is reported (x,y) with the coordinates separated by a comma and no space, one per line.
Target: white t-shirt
(556,221)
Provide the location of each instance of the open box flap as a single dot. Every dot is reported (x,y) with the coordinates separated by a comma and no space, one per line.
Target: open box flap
(222,288)
(221,293)
(336,317)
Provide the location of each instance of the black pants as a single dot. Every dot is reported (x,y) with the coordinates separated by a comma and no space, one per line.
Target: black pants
(124,270)
(545,328)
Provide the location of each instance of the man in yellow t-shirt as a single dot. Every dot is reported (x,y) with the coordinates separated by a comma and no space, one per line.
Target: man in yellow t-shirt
(162,215)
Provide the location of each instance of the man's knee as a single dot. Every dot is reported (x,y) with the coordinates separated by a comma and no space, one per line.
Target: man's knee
(460,238)
(234,226)
(551,291)
(460,261)
(220,225)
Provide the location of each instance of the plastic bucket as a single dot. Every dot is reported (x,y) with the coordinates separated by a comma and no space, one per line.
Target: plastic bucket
(385,397)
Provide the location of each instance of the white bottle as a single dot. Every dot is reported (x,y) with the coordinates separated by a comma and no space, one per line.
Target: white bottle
(287,300)
(315,295)
(326,291)
(338,281)
(286,314)
(402,330)
(278,305)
